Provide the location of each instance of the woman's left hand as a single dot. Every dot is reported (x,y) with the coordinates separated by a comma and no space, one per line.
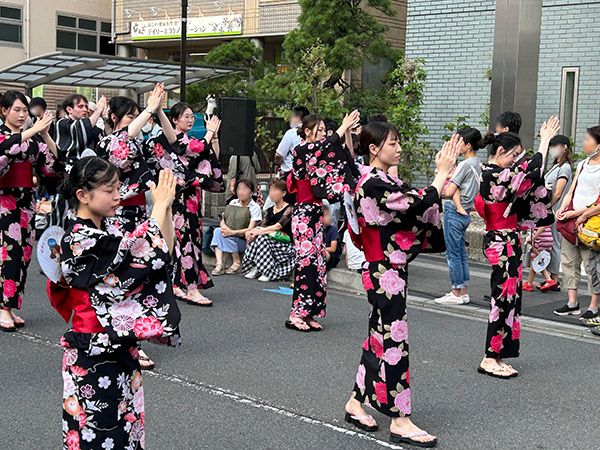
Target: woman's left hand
(569,215)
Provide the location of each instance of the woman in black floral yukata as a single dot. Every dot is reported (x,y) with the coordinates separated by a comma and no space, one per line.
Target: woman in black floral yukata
(512,198)
(117,288)
(320,170)
(396,223)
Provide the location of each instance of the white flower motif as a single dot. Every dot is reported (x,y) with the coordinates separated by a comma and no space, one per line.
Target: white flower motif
(88,435)
(108,444)
(157,264)
(104,382)
(161,287)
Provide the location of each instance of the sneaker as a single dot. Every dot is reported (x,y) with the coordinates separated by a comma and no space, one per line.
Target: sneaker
(264,278)
(588,315)
(466,299)
(595,322)
(252,274)
(449,299)
(568,310)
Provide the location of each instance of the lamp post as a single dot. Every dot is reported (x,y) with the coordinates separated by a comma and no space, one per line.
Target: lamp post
(183,51)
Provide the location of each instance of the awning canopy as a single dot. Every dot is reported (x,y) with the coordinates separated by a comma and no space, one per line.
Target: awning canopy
(93,70)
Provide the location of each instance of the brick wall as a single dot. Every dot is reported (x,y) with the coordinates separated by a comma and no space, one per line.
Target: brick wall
(455,38)
(569,38)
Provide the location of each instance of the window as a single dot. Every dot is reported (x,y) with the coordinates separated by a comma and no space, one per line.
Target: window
(568,101)
(11,25)
(84,34)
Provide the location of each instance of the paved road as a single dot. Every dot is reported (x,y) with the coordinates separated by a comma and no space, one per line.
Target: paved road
(243,381)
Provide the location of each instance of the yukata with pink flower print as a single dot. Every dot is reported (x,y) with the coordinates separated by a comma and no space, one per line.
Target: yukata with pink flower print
(196,167)
(510,200)
(136,158)
(397,223)
(17,209)
(119,293)
(320,170)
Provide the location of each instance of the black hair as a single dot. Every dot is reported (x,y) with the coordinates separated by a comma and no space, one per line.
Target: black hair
(38,101)
(278,183)
(120,107)
(375,133)
(511,120)
(559,139)
(505,140)
(155,118)
(378,118)
(311,121)
(301,111)
(566,156)
(87,173)
(71,99)
(595,133)
(177,111)
(9,98)
(246,182)
(472,136)
(330,124)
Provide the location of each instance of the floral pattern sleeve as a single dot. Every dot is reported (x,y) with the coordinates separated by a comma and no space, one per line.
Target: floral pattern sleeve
(408,219)
(522,188)
(13,150)
(127,279)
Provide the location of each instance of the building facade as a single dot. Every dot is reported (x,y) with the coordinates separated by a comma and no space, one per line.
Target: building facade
(30,28)
(456,40)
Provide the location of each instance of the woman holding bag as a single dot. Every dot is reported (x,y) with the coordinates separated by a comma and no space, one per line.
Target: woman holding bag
(583,193)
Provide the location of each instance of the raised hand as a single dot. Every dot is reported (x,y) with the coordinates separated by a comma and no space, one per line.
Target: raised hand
(163,193)
(446,157)
(43,125)
(156,97)
(550,128)
(351,119)
(101,105)
(213,124)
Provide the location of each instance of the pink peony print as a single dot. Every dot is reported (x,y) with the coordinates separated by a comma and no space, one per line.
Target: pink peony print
(381,392)
(397,201)
(196,146)
(524,187)
(147,327)
(72,440)
(14,231)
(494,312)
(391,282)
(496,343)
(509,249)
(382,372)
(392,356)
(178,221)
(509,287)
(405,239)
(402,401)
(399,330)
(432,215)
(24,219)
(360,376)
(493,253)
(3,254)
(367,282)
(187,262)
(539,211)
(397,257)
(498,193)
(369,210)
(384,218)
(541,192)
(159,150)
(9,288)
(520,271)
(8,202)
(376,341)
(121,150)
(516,329)
(504,176)
(192,206)
(527,225)
(511,318)
(517,181)
(204,167)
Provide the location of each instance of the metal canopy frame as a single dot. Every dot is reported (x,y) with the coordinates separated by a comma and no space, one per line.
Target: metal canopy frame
(101,71)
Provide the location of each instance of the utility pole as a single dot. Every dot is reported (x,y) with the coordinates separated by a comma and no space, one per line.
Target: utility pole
(183,51)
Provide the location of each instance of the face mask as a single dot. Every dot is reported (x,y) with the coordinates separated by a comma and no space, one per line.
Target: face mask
(147,128)
(554,152)
(33,113)
(593,155)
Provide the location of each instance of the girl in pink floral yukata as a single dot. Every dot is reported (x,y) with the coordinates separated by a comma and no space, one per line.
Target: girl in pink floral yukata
(397,223)
(512,197)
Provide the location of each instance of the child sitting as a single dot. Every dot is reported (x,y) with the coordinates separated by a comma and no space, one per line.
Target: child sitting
(331,237)
(541,240)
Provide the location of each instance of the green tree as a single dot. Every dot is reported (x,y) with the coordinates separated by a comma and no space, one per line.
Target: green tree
(349,34)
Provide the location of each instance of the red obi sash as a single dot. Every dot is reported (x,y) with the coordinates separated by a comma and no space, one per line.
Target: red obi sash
(136,200)
(370,235)
(303,190)
(493,215)
(67,301)
(19,175)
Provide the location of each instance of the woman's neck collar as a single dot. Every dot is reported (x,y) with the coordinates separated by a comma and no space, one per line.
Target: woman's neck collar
(86,214)
(244,202)
(280,204)
(378,165)
(13,128)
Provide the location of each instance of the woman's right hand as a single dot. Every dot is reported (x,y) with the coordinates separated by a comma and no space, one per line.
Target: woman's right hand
(163,193)
(43,125)
(550,128)
(155,98)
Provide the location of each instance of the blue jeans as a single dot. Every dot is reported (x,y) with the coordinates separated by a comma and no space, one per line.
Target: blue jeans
(455,230)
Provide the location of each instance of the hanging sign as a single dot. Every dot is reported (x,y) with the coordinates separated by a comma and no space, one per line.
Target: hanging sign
(230,24)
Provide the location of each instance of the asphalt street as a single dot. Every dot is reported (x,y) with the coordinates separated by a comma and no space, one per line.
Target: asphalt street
(243,381)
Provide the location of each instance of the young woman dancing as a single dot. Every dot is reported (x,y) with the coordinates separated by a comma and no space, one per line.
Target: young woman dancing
(397,223)
(117,288)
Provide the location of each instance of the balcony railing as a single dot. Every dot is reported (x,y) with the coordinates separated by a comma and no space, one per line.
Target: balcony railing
(161,19)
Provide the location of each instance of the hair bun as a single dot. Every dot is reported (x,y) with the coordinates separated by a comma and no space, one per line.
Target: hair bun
(65,188)
(489,139)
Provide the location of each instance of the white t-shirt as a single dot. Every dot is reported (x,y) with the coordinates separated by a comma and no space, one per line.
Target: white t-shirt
(356,258)
(255,211)
(588,185)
